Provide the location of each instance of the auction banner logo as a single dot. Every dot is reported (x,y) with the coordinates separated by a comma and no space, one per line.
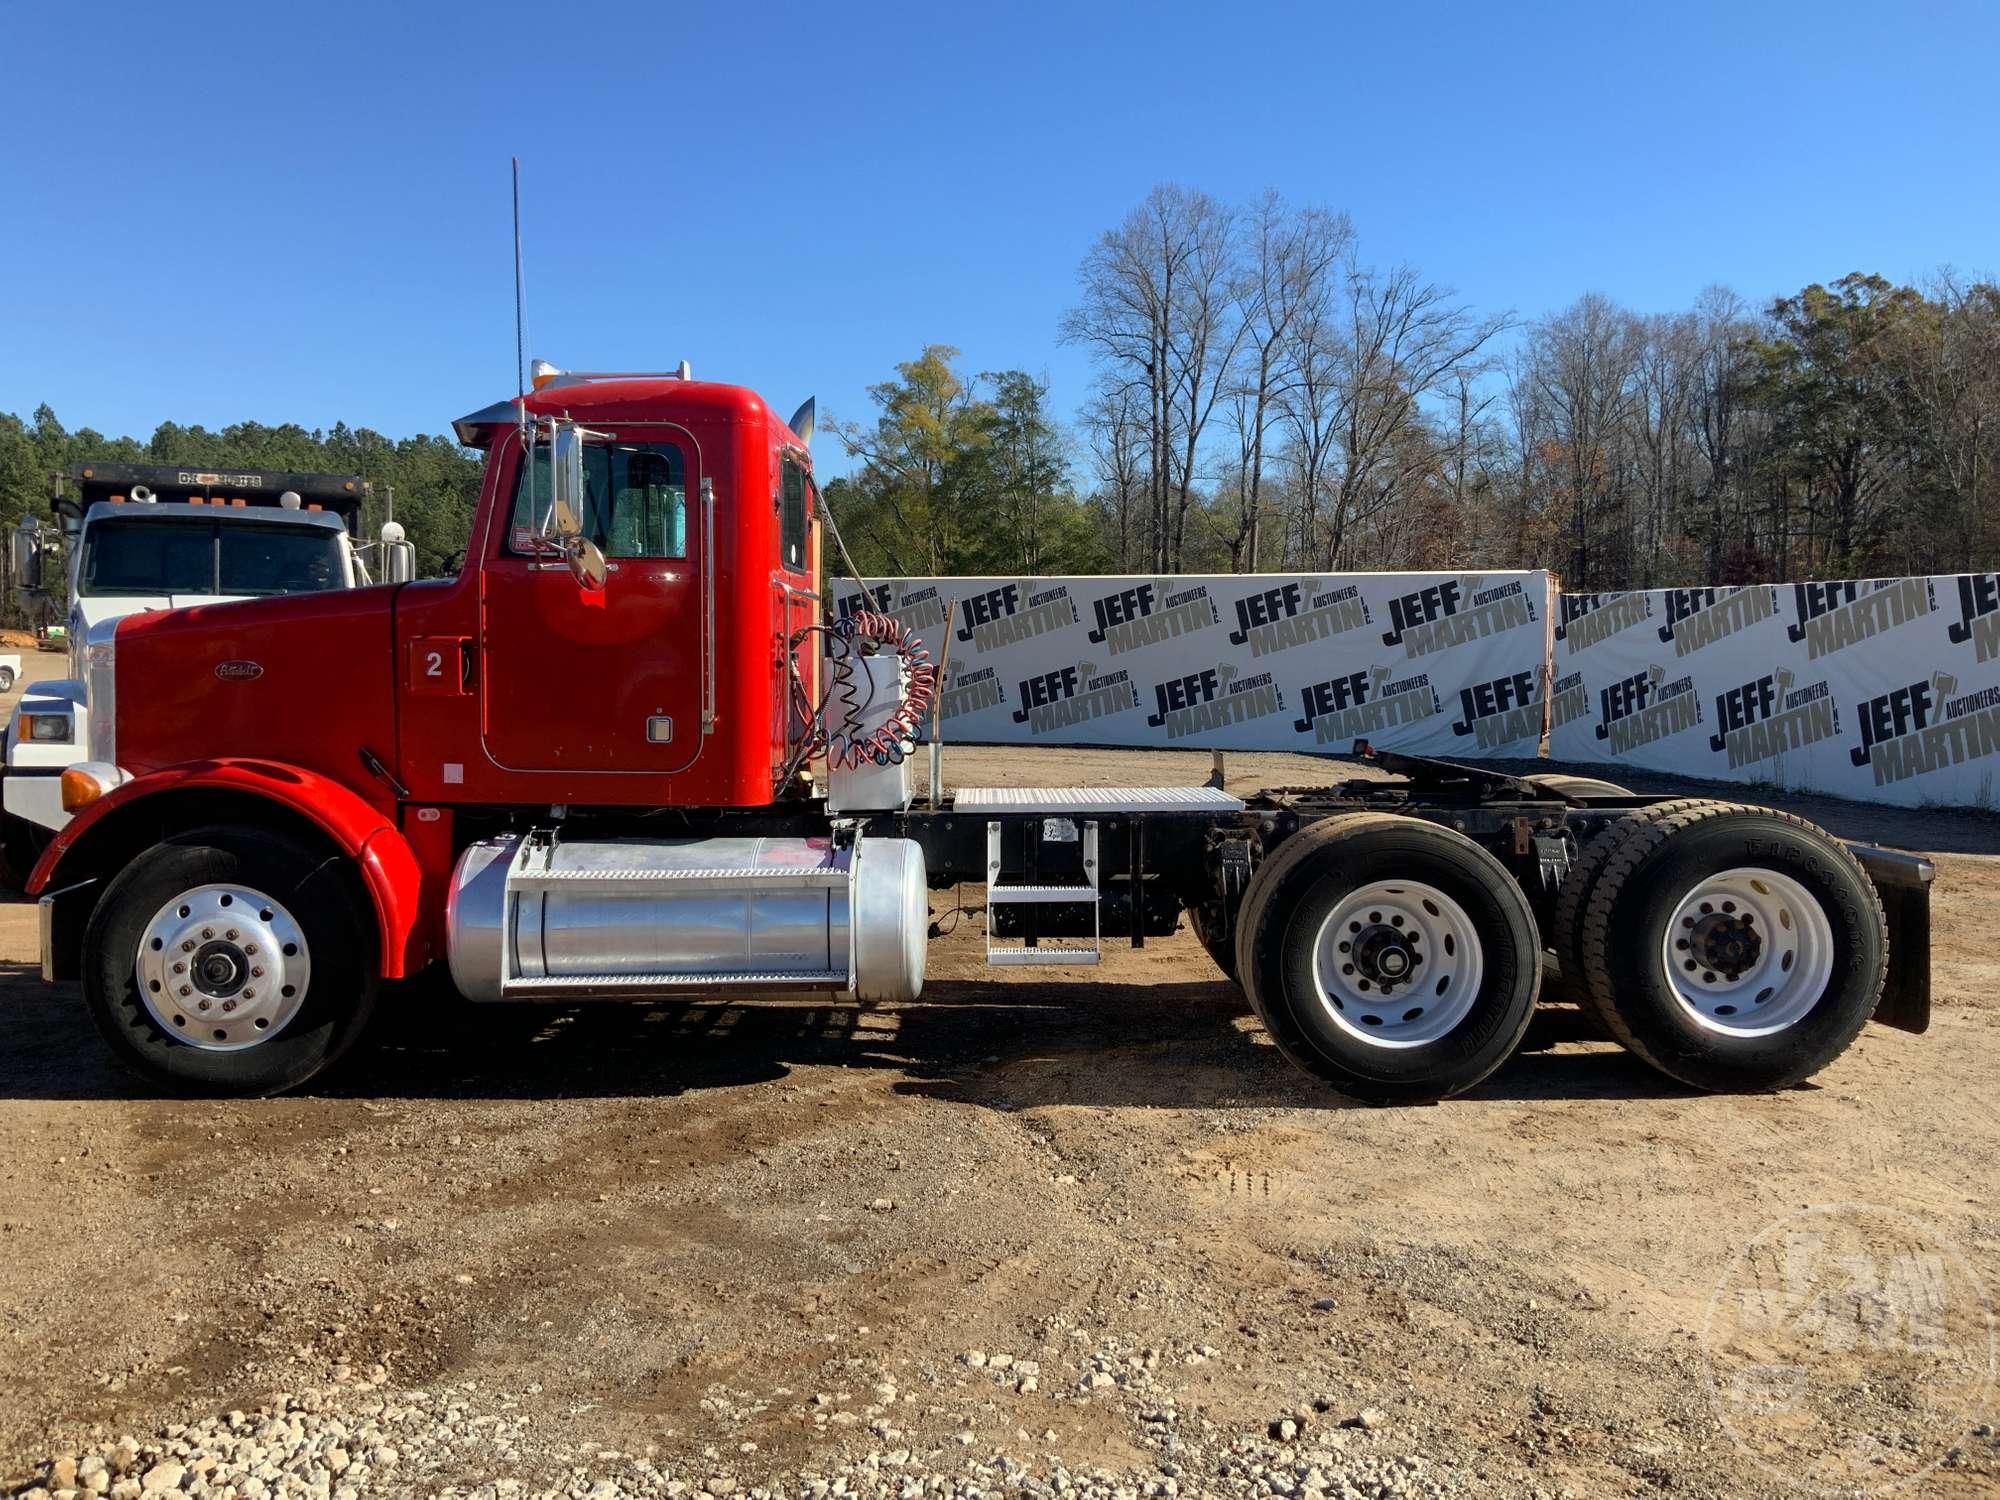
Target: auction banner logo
(1978,616)
(917,611)
(1849,1349)
(1147,613)
(972,690)
(1764,717)
(1833,616)
(1569,700)
(1501,710)
(1363,705)
(1071,695)
(1212,698)
(1582,620)
(1701,617)
(1009,613)
(1455,613)
(1296,614)
(1645,708)
(1922,727)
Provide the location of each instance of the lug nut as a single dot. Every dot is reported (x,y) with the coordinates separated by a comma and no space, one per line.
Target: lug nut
(250,948)
(256,973)
(179,967)
(229,1005)
(249,994)
(187,989)
(208,932)
(231,934)
(203,1006)
(188,946)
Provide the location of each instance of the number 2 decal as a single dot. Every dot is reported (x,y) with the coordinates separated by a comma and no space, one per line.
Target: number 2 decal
(437,666)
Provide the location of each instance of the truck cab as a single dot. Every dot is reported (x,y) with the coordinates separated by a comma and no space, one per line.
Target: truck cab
(149,537)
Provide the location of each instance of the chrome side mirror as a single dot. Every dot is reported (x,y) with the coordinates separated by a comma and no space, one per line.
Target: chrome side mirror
(567,481)
(399,556)
(24,555)
(569,493)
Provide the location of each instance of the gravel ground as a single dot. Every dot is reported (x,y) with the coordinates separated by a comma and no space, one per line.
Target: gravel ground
(1041,1232)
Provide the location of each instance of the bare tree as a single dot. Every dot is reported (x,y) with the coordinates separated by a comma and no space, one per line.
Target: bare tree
(1287,258)
(1155,299)
(1118,449)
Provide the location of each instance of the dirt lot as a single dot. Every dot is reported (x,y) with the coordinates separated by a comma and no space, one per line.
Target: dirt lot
(617,1247)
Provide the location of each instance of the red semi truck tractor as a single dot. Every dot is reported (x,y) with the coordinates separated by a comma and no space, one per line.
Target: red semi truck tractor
(628,754)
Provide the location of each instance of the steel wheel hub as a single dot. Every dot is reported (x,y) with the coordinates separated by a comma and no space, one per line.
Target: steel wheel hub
(1748,952)
(1397,964)
(222,967)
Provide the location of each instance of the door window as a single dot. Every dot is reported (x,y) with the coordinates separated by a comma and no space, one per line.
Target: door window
(792,516)
(635,500)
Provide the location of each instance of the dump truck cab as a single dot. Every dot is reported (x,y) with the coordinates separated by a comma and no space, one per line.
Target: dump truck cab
(137,538)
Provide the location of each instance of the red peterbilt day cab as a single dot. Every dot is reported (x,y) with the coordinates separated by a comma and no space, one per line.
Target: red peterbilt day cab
(626,753)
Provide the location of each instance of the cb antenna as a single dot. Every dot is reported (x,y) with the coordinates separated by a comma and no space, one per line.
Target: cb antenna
(520,305)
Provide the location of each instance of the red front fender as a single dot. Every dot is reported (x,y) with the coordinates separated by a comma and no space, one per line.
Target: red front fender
(359,829)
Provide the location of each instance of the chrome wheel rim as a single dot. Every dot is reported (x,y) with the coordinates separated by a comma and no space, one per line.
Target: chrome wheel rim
(1397,964)
(222,968)
(1748,952)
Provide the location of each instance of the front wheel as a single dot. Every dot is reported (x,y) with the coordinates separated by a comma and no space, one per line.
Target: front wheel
(1391,957)
(6,679)
(227,960)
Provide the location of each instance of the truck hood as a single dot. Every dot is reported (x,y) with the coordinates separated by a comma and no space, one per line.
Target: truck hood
(111,606)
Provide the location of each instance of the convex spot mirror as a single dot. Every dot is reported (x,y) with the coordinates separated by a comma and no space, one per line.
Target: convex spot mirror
(567,506)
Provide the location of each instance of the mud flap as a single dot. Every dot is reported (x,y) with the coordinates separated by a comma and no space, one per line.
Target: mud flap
(1904,883)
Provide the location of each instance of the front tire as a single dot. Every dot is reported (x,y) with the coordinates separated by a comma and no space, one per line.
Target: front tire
(230,961)
(1391,957)
(6,679)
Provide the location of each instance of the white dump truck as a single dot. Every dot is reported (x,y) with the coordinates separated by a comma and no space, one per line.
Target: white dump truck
(132,537)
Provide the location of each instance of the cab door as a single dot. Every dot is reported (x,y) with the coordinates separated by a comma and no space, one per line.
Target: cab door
(614,681)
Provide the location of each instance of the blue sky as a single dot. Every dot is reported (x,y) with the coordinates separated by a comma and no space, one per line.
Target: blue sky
(300,213)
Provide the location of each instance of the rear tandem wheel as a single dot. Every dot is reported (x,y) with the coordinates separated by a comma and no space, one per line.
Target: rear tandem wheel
(1391,957)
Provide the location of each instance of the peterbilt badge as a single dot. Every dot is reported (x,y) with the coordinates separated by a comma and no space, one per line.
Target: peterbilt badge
(238,671)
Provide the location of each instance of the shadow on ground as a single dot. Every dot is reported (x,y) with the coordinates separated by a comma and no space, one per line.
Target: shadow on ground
(973,1042)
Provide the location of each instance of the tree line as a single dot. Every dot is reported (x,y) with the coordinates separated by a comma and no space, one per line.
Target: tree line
(1268,398)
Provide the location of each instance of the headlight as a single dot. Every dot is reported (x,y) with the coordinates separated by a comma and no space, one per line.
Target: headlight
(58,727)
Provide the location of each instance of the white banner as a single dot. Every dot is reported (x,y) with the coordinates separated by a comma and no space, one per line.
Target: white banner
(1448,664)
(1882,690)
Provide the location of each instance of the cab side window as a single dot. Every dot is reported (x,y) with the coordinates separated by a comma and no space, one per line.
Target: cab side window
(792,516)
(635,500)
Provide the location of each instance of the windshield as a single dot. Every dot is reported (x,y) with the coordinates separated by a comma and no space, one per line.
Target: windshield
(190,557)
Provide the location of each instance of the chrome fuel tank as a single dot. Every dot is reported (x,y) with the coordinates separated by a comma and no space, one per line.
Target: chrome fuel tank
(537,917)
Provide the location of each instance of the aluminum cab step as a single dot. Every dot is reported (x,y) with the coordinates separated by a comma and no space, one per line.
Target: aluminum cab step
(1038,894)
